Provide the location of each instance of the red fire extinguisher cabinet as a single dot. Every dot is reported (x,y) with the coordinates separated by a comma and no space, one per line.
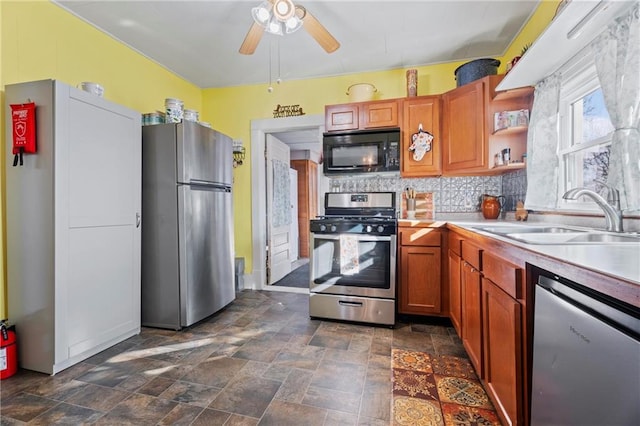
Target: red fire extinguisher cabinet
(8,351)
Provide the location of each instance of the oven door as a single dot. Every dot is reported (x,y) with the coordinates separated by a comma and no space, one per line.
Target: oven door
(353,265)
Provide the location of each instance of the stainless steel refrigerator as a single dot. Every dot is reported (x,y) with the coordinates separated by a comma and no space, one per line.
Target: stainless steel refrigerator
(187,224)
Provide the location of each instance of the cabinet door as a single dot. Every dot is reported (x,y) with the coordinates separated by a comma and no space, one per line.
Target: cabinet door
(472,315)
(463,128)
(341,117)
(503,373)
(421,112)
(101,184)
(420,286)
(455,290)
(379,114)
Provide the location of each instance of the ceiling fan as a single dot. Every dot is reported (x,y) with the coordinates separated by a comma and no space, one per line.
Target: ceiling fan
(280,17)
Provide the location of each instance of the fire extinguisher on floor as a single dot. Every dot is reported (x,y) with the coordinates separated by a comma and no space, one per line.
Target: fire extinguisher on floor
(8,351)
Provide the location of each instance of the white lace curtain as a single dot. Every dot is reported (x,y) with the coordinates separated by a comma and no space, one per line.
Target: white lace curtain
(542,146)
(281,204)
(617,57)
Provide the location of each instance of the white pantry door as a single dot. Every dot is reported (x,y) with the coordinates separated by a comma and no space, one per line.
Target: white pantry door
(278,231)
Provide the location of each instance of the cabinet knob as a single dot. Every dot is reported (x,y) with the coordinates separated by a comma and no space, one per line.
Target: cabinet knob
(137,220)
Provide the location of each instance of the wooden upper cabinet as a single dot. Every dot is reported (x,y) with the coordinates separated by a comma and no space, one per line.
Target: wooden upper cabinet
(423,111)
(341,117)
(464,128)
(471,140)
(362,115)
(379,114)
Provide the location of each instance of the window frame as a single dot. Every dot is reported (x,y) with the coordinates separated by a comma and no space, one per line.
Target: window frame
(579,78)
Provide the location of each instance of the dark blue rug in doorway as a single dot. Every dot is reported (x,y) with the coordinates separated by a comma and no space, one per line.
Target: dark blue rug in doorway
(298,278)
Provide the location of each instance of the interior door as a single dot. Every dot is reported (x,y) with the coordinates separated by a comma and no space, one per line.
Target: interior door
(278,210)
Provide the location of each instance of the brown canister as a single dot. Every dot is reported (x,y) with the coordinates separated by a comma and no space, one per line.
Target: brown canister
(491,206)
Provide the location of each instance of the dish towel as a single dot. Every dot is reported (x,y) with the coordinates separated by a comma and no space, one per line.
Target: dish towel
(349,256)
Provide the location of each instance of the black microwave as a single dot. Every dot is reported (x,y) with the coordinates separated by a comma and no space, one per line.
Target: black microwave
(363,151)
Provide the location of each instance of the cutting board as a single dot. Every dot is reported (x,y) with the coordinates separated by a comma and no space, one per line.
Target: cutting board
(424,206)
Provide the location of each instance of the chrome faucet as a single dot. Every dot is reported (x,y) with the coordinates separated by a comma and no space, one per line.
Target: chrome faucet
(610,206)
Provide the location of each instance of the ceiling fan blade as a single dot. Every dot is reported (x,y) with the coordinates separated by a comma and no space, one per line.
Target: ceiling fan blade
(252,39)
(318,31)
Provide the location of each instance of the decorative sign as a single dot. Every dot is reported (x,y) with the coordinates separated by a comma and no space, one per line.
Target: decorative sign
(287,111)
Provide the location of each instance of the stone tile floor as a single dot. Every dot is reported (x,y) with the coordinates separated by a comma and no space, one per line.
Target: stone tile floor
(261,360)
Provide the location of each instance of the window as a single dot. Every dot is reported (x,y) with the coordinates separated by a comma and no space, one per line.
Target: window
(585,133)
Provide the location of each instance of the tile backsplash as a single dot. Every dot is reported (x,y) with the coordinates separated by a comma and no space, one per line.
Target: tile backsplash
(514,188)
(450,194)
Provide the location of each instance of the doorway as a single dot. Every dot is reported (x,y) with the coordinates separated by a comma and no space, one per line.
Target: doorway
(280,128)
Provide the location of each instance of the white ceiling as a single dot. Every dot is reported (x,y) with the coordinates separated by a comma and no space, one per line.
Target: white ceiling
(199,40)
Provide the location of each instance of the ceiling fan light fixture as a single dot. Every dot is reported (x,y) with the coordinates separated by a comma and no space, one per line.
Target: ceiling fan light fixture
(262,13)
(293,24)
(283,9)
(274,26)
(280,17)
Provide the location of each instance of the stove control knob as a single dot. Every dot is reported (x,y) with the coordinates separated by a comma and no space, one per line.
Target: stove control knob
(333,228)
(369,228)
(380,228)
(323,227)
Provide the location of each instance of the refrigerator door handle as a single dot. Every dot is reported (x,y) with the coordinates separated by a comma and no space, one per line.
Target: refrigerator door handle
(210,185)
(137,220)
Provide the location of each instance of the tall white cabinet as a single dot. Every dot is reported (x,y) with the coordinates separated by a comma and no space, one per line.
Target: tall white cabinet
(73,227)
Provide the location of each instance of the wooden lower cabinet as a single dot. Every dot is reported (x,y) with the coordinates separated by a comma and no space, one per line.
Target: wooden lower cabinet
(420,286)
(489,312)
(455,292)
(472,315)
(501,326)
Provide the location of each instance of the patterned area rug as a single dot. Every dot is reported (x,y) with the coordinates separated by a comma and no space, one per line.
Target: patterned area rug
(438,390)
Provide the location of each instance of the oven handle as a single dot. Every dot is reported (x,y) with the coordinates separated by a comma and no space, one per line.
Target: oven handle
(352,304)
(363,237)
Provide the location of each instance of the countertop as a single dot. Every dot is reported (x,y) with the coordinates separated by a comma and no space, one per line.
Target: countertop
(621,261)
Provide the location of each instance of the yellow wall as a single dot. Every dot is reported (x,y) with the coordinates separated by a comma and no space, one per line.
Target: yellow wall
(533,28)
(39,40)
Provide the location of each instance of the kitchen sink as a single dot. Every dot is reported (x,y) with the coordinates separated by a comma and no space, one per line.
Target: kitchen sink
(575,238)
(556,235)
(530,229)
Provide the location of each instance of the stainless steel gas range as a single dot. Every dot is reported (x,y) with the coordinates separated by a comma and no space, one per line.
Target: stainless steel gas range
(353,258)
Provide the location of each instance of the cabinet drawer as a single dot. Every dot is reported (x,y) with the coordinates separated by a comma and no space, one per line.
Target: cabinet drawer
(505,275)
(455,242)
(472,254)
(419,237)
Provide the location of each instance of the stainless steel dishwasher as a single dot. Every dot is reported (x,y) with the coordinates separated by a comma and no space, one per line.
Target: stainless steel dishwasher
(586,357)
